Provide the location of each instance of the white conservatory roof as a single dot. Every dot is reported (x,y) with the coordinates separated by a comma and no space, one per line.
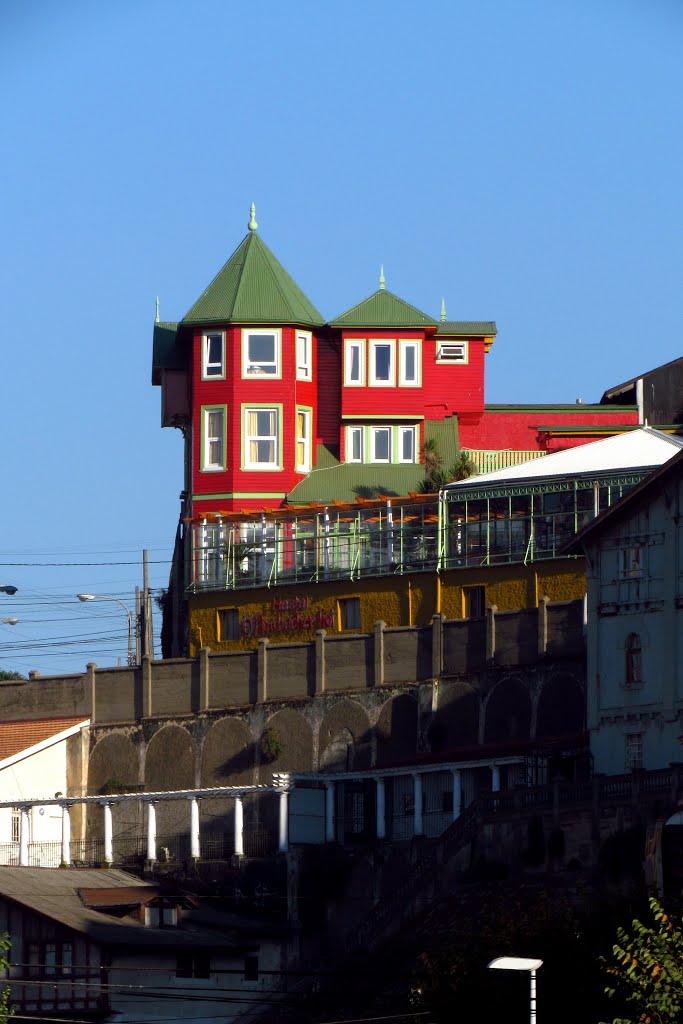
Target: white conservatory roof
(643,448)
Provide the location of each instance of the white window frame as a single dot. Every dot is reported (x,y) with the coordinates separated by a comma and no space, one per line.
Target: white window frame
(399,448)
(262,466)
(348,447)
(375,343)
(208,439)
(250,370)
(208,367)
(349,345)
(305,466)
(304,356)
(374,431)
(403,345)
(452,352)
(633,752)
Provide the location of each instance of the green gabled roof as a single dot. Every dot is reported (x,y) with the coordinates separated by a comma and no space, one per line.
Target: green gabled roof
(332,480)
(253,287)
(166,354)
(467,328)
(383,309)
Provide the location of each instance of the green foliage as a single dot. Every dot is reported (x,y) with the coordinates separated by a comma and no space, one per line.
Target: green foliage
(435,475)
(271,745)
(11,675)
(646,970)
(6,1011)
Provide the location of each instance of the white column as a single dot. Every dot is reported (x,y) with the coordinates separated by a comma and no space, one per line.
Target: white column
(23,837)
(151,832)
(381,809)
(532,998)
(239,827)
(66,836)
(194,828)
(457,792)
(283,830)
(418,828)
(329,812)
(495,778)
(108,835)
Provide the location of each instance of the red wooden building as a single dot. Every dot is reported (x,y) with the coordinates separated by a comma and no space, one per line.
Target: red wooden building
(279,406)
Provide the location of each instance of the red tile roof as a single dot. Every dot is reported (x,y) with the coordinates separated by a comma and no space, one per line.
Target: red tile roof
(17,736)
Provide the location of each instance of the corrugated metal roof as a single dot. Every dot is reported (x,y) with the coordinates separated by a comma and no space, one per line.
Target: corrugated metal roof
(253,287)
(637,449)
(467,328)
(383,309)
(20,735)
(335,481)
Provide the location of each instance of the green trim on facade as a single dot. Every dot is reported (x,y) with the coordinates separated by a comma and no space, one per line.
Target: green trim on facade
(253,287)
(240,495)
(383,309)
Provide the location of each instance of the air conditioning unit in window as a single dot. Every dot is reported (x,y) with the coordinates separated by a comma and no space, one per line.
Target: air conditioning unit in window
(452,352)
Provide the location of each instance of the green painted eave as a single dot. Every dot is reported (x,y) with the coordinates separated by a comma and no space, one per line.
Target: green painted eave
(335,481)
(467,328)
(166,352)
(253,287)
(383,309)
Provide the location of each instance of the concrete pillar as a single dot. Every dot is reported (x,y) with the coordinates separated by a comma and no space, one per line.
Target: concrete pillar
(108,835)
(151,832)
(194,828)
(23,836)
(491,632)
(204,679)
(283,822)
(66,836)
(495,778)
(239,827)
(381,809)
(262,670)
(543,626)
(437,646)
(378,644)
(329,812)
(146,676)
(457,792)
(418,827)
(320,635)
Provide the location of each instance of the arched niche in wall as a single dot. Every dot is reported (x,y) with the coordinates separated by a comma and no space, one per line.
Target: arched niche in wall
(113,767)
(561,707)
(170,764)
(286,744)
(397,730)
(344,739)
(456,720)
(507,712)
(227,760)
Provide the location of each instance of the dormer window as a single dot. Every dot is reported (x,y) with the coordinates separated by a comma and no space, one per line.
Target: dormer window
(161,915)
(451,352)
(213,355)
(261,353)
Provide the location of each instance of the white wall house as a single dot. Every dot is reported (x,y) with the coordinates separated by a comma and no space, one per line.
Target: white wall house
(37,762)
(634,554)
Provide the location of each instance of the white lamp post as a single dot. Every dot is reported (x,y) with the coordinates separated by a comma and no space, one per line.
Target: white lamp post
(110,597)
(521,963)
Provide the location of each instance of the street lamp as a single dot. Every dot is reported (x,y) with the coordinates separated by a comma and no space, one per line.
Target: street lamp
(110,597)
(521,963)
(7,588)
(11,621)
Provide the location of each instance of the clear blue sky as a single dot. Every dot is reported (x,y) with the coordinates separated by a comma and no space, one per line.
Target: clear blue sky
(522,159)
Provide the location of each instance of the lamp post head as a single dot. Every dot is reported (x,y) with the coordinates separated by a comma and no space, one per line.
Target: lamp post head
(7,588)
(11,621)
(515,963)
(86,597)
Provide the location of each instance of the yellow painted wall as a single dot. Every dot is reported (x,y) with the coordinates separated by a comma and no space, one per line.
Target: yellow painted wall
(397,600)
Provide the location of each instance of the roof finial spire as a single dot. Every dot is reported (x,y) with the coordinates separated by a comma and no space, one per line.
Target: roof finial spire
(443,310)
(252,225)
(381,277)
(156,315)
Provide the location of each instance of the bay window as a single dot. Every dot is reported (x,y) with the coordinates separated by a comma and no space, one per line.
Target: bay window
(303,440)
(213,439)
(213,355)
(261,352)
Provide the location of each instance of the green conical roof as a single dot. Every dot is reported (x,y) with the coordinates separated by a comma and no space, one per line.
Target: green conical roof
(383,309)
(253,287)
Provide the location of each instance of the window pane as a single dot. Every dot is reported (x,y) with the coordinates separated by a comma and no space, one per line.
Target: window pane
(382,445)
(408,445)
(261,349)
(356,445)
(354,372)
(214,355)
(409,368)
(382,362)
(215,423)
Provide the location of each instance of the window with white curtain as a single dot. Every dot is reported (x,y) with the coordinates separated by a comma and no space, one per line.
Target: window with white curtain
(261,438)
